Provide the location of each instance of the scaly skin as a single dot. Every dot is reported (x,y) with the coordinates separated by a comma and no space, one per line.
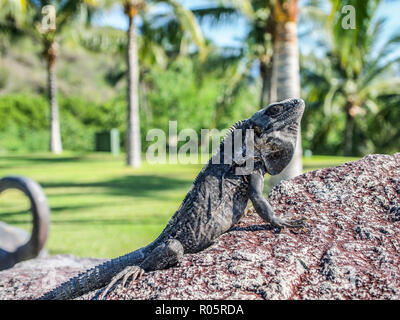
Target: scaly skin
(216,201)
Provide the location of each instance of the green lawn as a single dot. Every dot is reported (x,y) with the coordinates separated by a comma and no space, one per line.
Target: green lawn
(100,207)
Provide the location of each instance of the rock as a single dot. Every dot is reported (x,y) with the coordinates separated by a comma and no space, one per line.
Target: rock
(349,250)
(29,279)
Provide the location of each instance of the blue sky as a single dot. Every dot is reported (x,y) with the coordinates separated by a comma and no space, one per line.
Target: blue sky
(228,35)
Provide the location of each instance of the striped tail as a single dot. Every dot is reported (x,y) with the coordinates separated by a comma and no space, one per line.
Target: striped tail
(94,278)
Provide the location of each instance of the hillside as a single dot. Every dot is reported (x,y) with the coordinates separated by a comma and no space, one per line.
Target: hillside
(79,72)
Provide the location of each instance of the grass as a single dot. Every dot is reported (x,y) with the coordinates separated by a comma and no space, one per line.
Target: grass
(100,207)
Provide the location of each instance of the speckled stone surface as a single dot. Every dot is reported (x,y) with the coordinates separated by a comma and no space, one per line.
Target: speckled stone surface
(349,250)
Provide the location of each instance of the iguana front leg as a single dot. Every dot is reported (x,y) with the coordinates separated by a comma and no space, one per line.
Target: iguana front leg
(263,208)
(163,256)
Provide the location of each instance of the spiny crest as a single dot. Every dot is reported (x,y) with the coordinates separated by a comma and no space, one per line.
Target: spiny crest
(237,125)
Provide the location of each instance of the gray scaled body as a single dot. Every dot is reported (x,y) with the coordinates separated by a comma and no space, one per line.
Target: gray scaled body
(215,202)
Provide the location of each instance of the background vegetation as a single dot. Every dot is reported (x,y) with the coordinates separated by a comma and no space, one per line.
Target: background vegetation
(176,84)
(178,92)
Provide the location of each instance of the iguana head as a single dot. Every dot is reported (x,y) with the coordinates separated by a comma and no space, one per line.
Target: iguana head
(275,133)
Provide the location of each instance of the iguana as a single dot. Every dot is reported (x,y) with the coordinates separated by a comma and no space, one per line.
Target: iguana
(215,202)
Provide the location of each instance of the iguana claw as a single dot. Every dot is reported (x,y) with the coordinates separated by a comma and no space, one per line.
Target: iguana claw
(281,223)
(132,271)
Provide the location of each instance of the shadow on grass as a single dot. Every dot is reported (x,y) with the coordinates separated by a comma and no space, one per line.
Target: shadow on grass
(5,216)
(156,220)
(135,185)
(17,162)
(25,217)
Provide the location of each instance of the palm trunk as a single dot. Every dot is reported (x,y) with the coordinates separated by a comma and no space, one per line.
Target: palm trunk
(145,104)
(265,72)
(348,143)
(285,76)
(55,135)
(133,148)
(272,84)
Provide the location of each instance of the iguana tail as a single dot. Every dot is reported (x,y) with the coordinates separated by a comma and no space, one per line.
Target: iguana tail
(94,278)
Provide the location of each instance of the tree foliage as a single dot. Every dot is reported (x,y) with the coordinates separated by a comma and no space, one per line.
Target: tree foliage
(352,74)
(351,84)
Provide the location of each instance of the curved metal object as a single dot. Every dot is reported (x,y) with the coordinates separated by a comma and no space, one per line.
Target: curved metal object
(15,243)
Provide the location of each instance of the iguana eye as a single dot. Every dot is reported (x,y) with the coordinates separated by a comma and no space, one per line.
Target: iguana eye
(274,110)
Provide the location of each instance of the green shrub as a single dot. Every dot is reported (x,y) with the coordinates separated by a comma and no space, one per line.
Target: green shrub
(17,139)
(25,121)
(23,125)
(23,111)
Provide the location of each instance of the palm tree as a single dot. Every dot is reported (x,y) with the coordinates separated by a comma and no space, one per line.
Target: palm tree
(356,71)
(363,78)
(133,8)
(132,142)
(272,42)
(257,45)
(285,79)
(48,33)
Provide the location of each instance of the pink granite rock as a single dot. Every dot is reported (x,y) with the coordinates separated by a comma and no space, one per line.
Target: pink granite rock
(30,279)
(350,249)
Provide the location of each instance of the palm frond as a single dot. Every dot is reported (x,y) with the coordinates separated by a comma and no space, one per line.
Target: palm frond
(377,69)
(217,15)
(380,88)
(189,23)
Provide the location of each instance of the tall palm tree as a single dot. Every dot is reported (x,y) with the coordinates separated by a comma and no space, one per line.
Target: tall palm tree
(48,33)
(132,139)
(272,42)
(285,79)
(133,8)
(257,43)
(353,54)
(356,71)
